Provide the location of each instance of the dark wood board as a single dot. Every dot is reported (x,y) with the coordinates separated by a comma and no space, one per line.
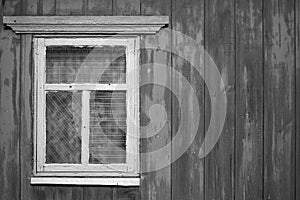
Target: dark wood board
(26,108)
(126,7)
(188,170)
(29,7)
(9,115)
(12,7)
(220,45)
(297,36)
(48,7)
(279,100)
(249,100)
(99,7)
(70,7)
(155,184)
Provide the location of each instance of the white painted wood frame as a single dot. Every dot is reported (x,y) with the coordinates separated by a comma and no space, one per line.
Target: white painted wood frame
(131,167)
(85,181)
(86,24)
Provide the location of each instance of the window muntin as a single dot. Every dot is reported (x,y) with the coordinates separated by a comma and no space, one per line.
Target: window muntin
(92,79)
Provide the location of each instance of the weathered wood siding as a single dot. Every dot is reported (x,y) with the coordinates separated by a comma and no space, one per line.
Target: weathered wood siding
(256,46)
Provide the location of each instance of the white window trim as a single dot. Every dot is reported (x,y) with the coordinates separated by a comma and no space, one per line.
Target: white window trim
(85,181)
(131,168)
(86,24)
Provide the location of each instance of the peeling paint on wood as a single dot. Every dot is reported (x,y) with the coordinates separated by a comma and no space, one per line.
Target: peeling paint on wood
(188,171)
(9,115)
(279,100)
(249,101)
(156,184)
(219,43)
(297,23)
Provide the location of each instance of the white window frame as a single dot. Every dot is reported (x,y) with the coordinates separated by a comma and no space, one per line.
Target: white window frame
(131,167)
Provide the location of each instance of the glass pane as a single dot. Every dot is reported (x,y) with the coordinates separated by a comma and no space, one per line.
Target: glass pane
(85,64)
(107,127)
(63,127)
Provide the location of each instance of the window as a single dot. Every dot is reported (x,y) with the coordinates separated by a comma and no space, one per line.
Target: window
(87,106)
(86,96)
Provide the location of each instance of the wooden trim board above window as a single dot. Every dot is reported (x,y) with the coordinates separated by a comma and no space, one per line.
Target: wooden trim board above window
(86,24)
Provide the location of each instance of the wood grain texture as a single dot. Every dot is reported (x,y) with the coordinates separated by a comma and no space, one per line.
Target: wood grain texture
(12,7)
(126,7)
(155,8)
(249,100)
(126,193)
(9,115)
(48,7)
(99,7)
(26,109)
(87,20)
(86,24)
(297,27)
(266,88)
(1,17)
(103,193)
(188,170)
(155,184)
(220,45)
(279,100)
(70,7)
(29,7)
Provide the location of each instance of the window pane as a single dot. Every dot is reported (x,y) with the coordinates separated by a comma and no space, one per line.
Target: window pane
(85,64)
(63,127)
(107,127)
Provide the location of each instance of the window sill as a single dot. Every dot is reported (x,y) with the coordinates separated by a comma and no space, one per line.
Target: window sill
(84,181)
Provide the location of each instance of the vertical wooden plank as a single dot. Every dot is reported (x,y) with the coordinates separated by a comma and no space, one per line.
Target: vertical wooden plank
(46,193)
(70,7)
(188,170)
(126,7)
(9,115)
(249,100)
(279,100)
(127,194)
(12,7)
(1,16)
(60,193)
(152,7)
(103,193)
(29,7)
(297,23)
(69,192)
(99,7)
(220,45)
(49,7)
(26,126)
(156,128)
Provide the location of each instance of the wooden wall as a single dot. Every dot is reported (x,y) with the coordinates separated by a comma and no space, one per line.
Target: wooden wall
(255,44)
